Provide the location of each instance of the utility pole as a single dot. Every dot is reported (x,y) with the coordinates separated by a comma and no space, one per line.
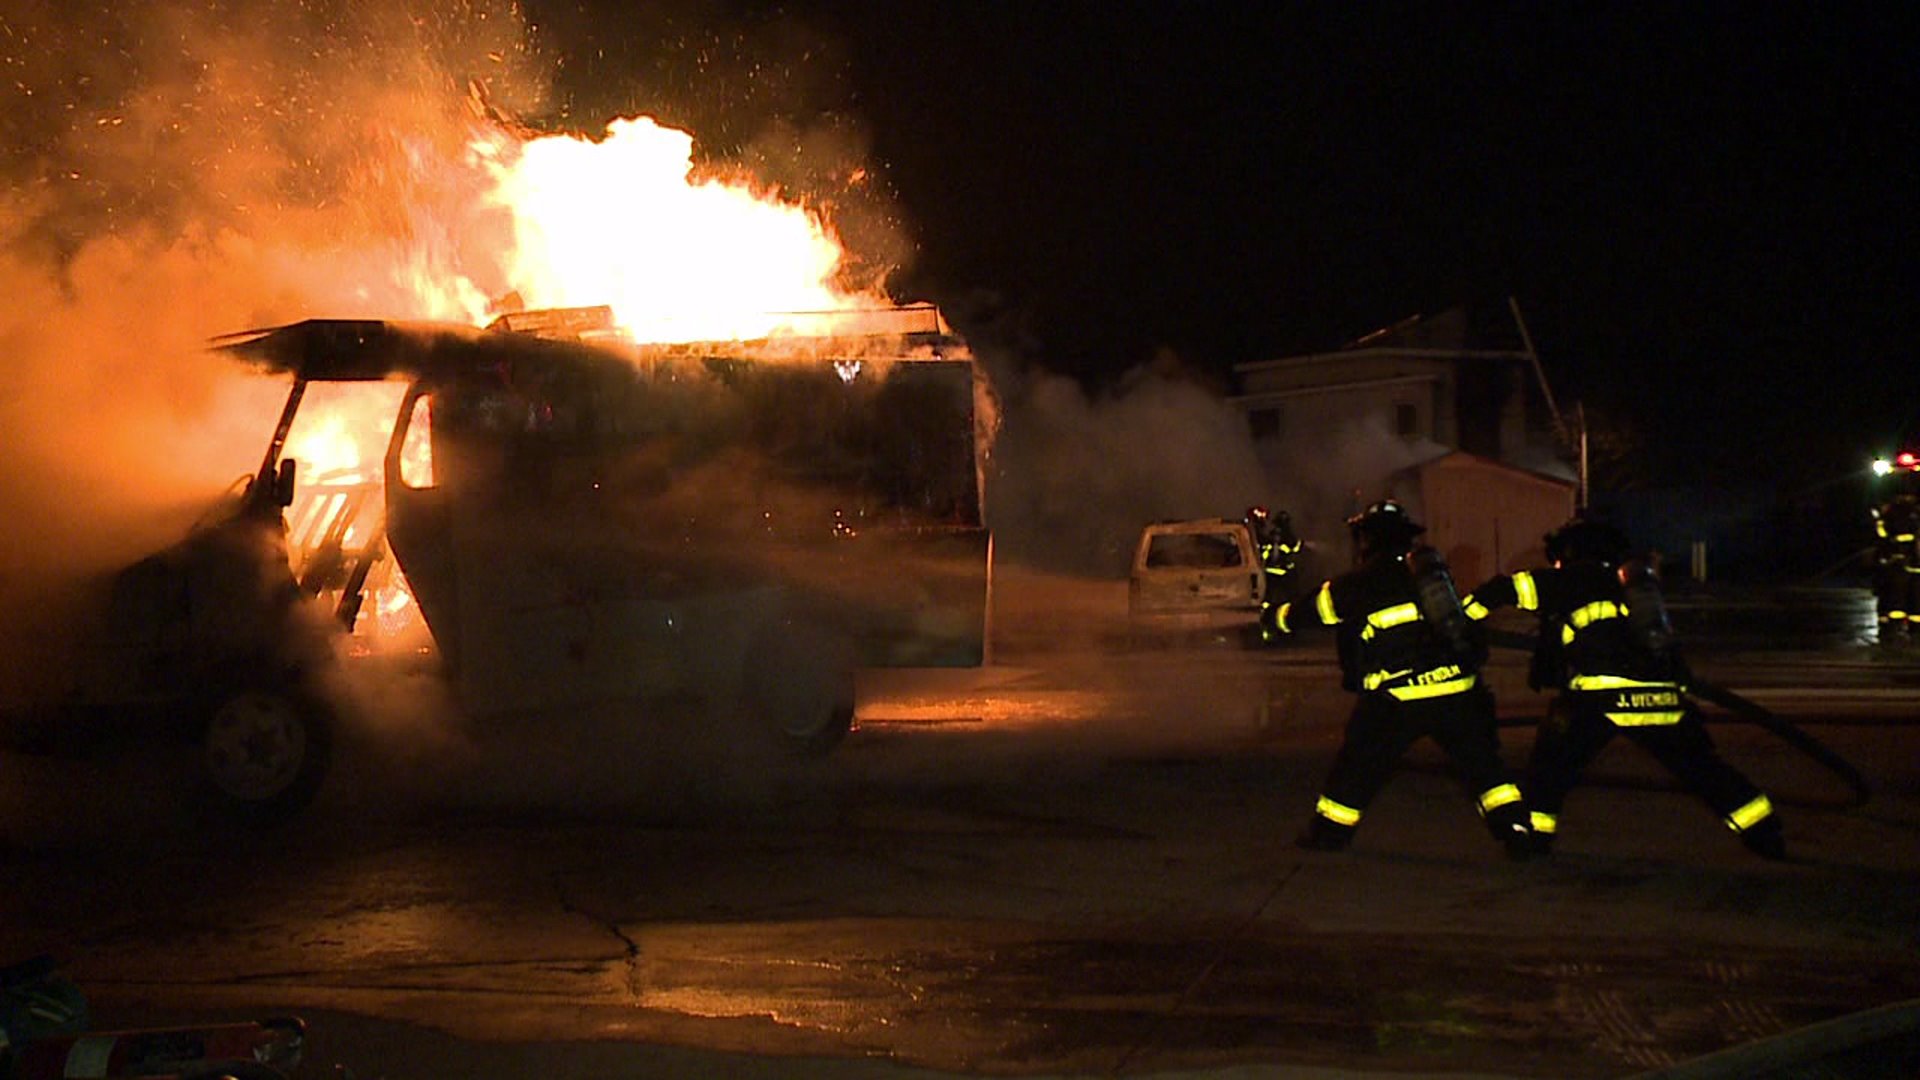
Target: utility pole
(1567,438)
(1580,418)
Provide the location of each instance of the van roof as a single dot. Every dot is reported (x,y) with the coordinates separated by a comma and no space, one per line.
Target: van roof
(361,350)
(367,350)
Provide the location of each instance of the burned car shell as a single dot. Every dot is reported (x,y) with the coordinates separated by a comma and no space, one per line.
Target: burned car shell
(1199,577)
(736,526)
(606,521)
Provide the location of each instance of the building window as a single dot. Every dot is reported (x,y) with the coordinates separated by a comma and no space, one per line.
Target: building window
(1406,420)
(1264,423)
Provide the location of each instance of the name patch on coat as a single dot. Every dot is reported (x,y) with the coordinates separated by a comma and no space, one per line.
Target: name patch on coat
(1647,699)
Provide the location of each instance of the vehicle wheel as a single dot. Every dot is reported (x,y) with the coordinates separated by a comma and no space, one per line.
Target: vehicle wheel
(265,749)
(799,688)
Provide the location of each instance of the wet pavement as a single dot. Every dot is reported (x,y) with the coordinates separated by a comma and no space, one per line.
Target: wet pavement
(1072,863)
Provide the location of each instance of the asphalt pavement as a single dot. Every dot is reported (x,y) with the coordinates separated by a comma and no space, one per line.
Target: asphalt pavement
(1075,862)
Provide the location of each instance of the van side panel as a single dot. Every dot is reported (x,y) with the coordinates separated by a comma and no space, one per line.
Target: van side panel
(604,526)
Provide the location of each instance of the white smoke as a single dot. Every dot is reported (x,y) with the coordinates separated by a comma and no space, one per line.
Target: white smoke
(1077,474)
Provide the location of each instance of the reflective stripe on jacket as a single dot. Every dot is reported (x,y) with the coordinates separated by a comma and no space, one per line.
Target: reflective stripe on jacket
(1385,644)
(1584,628)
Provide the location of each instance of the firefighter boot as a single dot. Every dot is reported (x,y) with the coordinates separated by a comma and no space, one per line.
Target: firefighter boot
(1323,835)
(1539,844)
(1766,839)
(1522,845)
(1508,827)
(1269,623)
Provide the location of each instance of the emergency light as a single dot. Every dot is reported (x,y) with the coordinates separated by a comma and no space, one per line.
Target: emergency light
(1904,461)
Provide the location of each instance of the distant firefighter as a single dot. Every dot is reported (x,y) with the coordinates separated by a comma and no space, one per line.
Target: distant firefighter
(1605,643)
(1896,565)
(1279,550)
(1412,658)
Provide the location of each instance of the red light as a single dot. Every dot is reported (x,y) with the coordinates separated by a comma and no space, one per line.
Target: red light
(1907,460)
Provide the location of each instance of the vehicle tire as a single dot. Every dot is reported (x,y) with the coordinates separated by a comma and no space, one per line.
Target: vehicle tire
(799,687)
(265,748)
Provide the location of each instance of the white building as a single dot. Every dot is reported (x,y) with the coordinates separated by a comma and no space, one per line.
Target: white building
(1451,414)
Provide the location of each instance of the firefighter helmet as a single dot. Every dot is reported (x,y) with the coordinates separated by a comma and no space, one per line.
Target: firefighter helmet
(1256,515)
(1383,527)
(1584,540)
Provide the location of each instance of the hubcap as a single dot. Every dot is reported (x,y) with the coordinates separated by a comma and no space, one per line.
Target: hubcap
(255,745)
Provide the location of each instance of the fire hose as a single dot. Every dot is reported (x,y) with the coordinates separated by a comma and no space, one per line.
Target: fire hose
(1786,731)
(1751,712)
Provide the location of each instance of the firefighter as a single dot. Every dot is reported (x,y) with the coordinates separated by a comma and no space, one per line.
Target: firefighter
(1896,566)
(1412,658)
(1279,550)
(1606,646)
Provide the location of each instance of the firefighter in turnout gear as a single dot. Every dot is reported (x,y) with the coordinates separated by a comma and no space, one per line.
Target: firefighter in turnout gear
(1279,550)
(1412,658)
(1896,565)
(1605,644)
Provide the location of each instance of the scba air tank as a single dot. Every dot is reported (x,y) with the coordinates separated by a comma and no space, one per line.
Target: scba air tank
(1646,607)
(1439,600)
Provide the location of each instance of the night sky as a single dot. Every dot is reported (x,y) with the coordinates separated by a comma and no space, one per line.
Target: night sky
(1704,210)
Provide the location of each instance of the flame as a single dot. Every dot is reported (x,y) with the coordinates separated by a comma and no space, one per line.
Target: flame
(329,446)
(339,438)
(416,450)
(620,221)
(623,222)
(340,434)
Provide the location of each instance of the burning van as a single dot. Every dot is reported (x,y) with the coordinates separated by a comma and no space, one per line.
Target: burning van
(731,529)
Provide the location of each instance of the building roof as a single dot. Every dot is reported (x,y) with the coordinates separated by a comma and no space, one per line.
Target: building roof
(1461,459)
(1465,332)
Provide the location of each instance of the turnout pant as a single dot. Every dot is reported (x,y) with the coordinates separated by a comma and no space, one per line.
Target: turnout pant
(1380,731)
(1896,594)
(1579,728)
